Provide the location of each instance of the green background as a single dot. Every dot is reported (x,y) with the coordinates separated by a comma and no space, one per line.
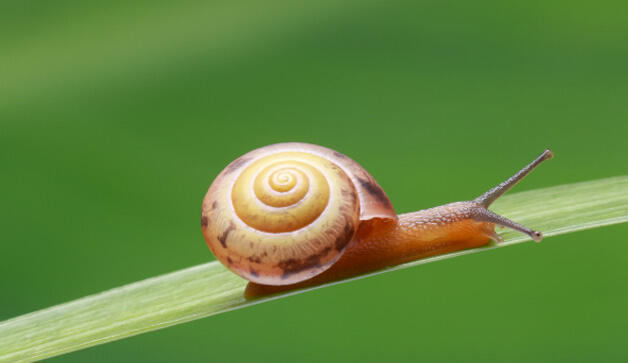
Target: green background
(115,117)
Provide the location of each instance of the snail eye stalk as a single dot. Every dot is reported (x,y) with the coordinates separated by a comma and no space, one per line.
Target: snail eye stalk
(481,213)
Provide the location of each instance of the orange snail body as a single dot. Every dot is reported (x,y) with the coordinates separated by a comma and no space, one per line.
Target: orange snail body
(293,215)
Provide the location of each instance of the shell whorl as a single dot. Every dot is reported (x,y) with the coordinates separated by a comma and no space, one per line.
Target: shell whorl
(280,193)
(286,212)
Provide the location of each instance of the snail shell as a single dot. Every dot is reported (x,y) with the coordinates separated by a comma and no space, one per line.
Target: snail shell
(284,213)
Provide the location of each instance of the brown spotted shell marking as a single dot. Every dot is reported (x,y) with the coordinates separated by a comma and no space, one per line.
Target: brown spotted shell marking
(286,212)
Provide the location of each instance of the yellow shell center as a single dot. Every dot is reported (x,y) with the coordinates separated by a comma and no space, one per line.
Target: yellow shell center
(281,193)
(283,180)
(282,184)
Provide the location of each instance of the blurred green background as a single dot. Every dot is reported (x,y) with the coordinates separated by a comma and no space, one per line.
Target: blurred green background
(115,117)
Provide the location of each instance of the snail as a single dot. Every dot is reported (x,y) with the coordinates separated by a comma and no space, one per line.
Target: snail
(292,215)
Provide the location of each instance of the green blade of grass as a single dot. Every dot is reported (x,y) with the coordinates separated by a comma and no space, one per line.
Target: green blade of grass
(209,289)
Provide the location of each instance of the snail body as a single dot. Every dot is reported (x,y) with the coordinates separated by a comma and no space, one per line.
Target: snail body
(292,215)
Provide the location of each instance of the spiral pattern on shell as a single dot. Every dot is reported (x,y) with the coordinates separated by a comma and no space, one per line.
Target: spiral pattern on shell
(281,193)
(286,212)
(281,217)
